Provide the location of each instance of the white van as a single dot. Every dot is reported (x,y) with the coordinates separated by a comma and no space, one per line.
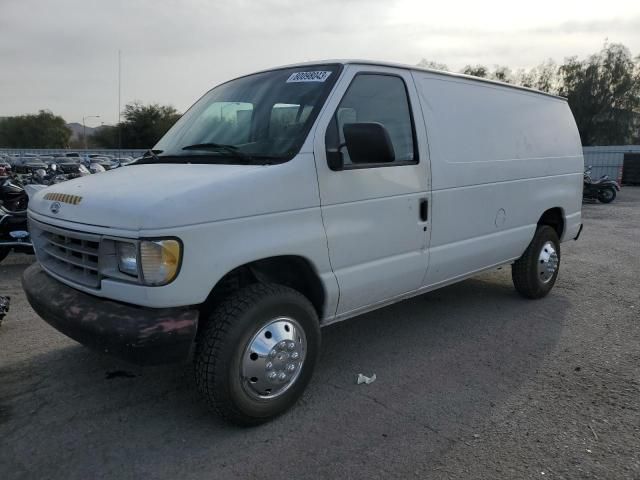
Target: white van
(296,197)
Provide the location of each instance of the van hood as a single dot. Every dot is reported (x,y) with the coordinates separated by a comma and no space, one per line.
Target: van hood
(158,196)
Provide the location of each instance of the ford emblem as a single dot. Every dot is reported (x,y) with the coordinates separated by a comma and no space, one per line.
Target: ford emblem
(55,207)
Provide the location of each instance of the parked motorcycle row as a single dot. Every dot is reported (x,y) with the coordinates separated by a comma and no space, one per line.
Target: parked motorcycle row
(55,168)
(603,189)
(14,198)
(22,176)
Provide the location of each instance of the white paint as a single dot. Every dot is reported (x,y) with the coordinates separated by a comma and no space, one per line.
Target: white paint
(493,158)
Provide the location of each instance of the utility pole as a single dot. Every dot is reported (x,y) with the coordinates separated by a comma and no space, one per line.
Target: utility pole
(119,100)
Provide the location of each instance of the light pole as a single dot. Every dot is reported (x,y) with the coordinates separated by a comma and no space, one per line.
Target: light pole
(84,129)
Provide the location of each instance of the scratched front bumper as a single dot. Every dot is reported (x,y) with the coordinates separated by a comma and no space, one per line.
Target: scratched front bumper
(145,336)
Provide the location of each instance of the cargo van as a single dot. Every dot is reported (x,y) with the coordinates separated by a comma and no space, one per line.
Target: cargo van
(292,198)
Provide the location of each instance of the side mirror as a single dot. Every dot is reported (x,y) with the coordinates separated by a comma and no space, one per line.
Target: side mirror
(368,142)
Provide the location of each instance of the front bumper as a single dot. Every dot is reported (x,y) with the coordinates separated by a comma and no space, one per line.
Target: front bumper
(145,336)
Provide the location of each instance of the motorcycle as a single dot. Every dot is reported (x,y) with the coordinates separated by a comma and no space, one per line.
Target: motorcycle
(49,176)
(72,169)
(14,234)
(604,189)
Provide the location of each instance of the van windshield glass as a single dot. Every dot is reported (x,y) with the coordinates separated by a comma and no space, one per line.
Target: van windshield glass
(260,118)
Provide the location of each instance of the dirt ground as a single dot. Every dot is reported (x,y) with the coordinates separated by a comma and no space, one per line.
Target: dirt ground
(472,382)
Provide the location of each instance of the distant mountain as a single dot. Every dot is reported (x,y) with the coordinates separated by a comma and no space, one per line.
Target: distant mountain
(77,130)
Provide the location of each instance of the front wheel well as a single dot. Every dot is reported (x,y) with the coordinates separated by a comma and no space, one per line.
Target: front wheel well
(290,270)
(555,219)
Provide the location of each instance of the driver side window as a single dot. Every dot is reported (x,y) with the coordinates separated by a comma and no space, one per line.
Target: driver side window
(375,98)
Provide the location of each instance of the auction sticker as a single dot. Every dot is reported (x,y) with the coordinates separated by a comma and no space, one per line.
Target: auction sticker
(319,76)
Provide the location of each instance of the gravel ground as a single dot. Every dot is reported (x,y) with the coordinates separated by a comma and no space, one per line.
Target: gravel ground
(473,382)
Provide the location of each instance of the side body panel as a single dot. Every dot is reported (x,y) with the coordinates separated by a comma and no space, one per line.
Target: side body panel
(500,157)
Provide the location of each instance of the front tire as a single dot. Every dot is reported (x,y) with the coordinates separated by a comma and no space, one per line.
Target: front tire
(257,353)
(535,273)
(607,195)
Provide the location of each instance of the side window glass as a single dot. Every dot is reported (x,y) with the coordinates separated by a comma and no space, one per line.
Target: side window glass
(375,98)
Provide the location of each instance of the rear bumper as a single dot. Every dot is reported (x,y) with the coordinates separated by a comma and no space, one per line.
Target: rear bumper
(145,336)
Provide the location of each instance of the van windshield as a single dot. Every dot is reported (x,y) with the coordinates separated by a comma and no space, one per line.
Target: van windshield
(260,118)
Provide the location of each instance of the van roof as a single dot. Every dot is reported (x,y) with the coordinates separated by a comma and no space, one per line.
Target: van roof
(419,69)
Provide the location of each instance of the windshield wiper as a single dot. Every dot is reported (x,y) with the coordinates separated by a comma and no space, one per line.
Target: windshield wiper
(149,157)
(226,151)
(232,150)
(211,147)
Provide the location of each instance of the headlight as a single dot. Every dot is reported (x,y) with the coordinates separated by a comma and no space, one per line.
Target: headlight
(127,258)
(153,262)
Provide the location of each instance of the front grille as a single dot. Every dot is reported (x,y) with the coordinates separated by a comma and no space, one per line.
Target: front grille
(71,255)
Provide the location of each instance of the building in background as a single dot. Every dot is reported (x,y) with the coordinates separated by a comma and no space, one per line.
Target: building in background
(620,162)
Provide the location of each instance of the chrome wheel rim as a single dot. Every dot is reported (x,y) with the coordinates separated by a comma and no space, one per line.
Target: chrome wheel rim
(273,358)
(547,262)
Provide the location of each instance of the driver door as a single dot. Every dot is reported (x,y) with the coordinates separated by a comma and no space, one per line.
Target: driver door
(376,216)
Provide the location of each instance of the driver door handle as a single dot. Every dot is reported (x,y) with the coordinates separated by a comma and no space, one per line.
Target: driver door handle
(424,209)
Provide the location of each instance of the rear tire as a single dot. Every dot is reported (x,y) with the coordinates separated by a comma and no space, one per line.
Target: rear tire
(607,195)
(535,273)
(282,326)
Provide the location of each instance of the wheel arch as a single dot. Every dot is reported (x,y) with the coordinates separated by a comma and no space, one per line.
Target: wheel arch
(555,218)
(293,271)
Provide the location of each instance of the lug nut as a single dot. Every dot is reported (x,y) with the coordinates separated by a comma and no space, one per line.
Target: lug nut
(282,376)
(269,366)
(291,367)
(291,346)
(282,345)
(272,354)
(273,376)
(294,355)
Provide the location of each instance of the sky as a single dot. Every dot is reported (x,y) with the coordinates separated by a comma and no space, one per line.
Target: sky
(62,55)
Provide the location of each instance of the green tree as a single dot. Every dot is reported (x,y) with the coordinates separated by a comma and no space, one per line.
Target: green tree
(105,136)
(604,94)
(603,91)
(424,63)
(544,77)
(477,71)
(142,127)
(43,130)
(501,74)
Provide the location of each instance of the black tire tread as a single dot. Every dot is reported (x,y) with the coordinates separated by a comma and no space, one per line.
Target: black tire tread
(524,280)
(613,196)
(208,350)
